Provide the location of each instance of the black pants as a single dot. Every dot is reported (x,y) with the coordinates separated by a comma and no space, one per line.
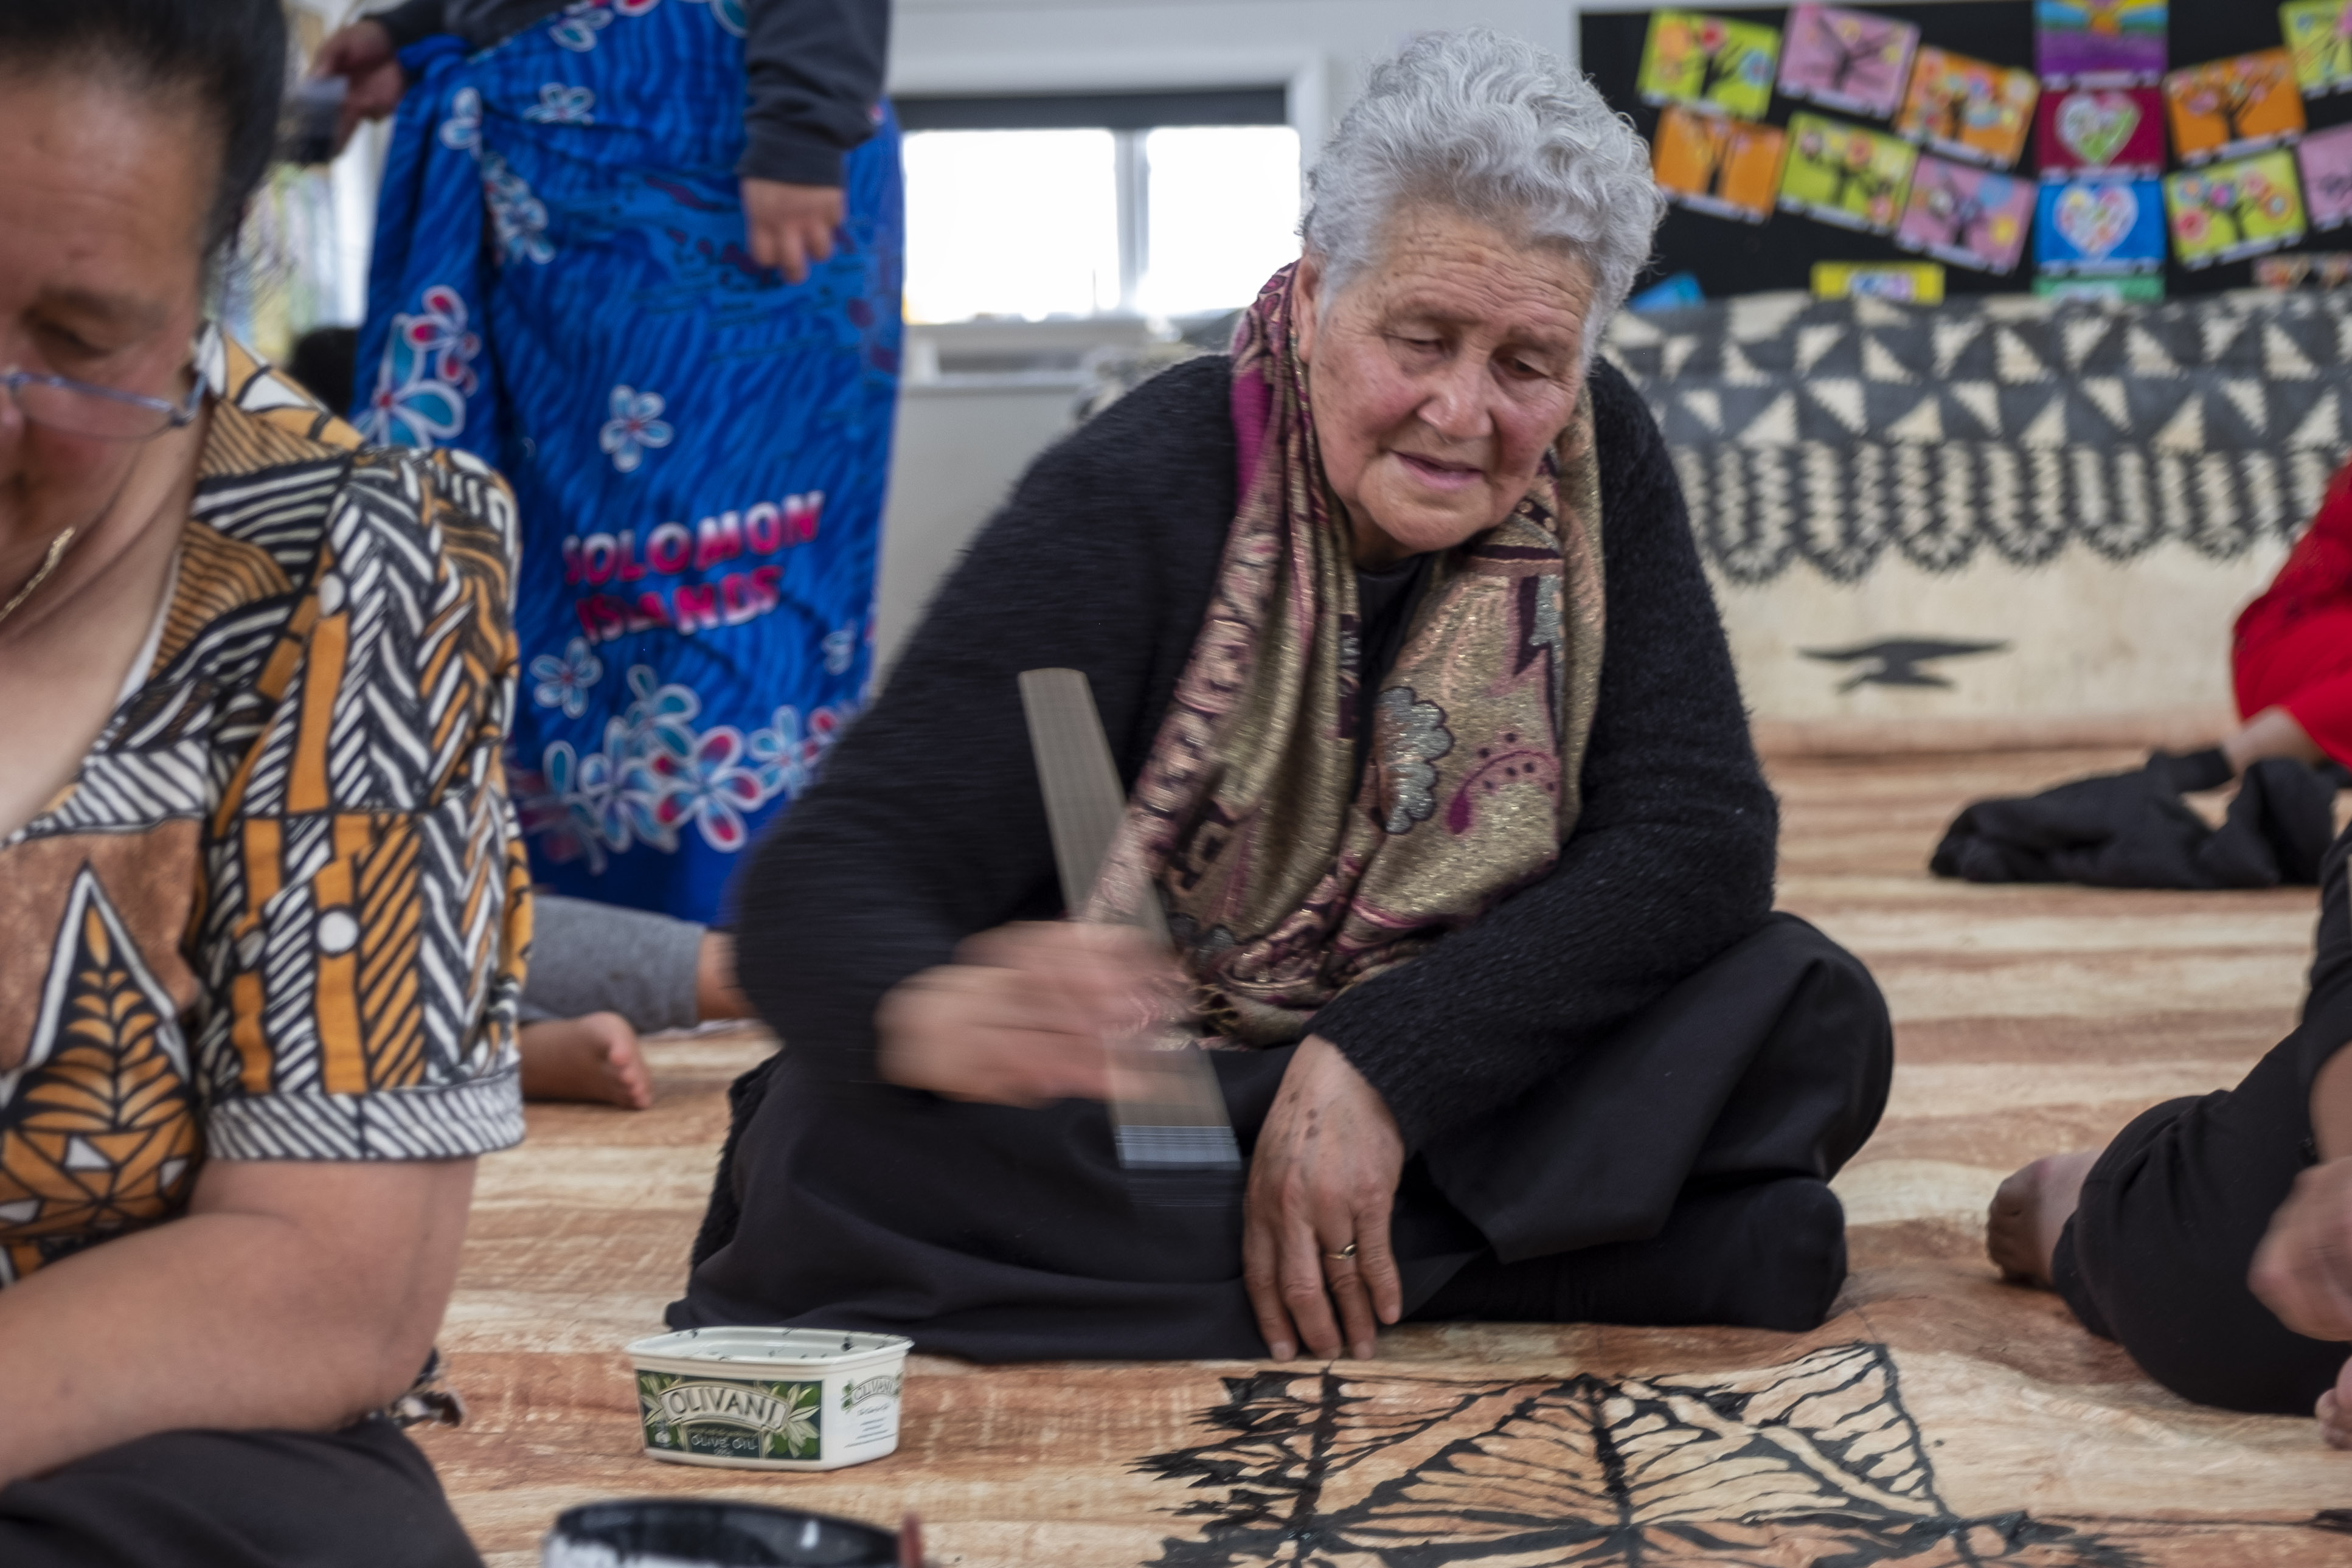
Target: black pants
(361,1498)
(1674,1172)
(2156,1254)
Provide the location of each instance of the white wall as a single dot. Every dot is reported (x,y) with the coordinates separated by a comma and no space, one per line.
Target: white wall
(961,445)
(1320,49)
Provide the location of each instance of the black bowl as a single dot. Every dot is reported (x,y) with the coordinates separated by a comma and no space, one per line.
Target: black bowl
(727,1534)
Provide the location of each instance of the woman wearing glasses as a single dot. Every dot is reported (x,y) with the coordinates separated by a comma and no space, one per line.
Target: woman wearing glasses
(260,911)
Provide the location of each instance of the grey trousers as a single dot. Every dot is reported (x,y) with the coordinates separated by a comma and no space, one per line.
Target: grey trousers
(600,958)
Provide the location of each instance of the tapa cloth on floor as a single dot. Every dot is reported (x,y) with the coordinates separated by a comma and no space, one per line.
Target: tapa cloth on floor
(699,450)
(2027,1019)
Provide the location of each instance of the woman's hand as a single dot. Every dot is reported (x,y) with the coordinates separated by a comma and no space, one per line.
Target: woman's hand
(791,226)
(1025,1015)
(362,55)
(2303,1272)
(1324,1178)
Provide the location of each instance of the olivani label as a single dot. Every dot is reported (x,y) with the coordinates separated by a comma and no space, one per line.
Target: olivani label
(854,1394)
(732,1420)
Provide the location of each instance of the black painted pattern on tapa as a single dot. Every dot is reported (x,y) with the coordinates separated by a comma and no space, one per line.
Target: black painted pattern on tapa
(1829,432)
(1812,1461)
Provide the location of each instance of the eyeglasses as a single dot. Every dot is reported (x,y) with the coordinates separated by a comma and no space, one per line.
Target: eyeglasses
(77,408)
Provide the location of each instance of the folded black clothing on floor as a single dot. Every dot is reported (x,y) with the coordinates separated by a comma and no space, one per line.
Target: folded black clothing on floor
(2133,829)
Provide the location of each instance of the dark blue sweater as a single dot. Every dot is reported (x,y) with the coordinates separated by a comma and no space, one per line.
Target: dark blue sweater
(926,825)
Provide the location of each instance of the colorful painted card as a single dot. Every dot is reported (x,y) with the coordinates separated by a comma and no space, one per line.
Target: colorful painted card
(1905,282)
(2313,268)
(2237,105)
(1729,168)
(2100,226)
(2081,130)
(2100,43)
(2134,289)
(1846,175)
(2234,210)
(1847,59)
(1968,109)
(1971,217)
(1710,63)
(2325,159)
(2319,37)
(1679,292)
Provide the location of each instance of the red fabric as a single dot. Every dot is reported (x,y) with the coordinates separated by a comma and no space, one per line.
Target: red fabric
(2293,646)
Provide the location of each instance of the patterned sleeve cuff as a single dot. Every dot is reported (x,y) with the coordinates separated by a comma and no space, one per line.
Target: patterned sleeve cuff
(445,1121)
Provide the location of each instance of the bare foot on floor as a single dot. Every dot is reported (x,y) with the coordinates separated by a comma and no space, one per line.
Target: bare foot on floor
(2031,1209)
(595,1058)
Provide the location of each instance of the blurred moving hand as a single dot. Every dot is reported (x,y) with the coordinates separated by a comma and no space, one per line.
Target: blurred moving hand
(363,56)
(2303,1272)
(1025,1015)
(790,226)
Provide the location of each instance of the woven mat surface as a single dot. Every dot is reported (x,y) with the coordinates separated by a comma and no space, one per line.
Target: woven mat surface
(1939,1417)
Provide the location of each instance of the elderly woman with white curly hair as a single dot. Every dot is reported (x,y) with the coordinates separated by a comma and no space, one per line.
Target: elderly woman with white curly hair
(1439,771)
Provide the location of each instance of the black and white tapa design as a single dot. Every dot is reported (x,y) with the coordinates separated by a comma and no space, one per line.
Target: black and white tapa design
(1828,432)
(1813,1462)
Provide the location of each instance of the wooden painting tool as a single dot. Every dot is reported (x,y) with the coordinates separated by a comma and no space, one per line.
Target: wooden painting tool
(1167,1116)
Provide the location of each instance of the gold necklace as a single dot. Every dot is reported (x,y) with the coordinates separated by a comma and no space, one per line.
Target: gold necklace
(57,548)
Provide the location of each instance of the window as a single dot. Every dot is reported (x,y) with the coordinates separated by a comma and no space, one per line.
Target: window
(1157,205)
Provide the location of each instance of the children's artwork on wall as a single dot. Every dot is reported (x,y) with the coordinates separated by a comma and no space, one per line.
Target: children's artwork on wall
(2234,210)
(1710,63)
(2131,288)
(2325,160)
(1679,292)
(2093,226)
(1846,175)
(1968,109)
(2100,131)
(1729,168)
(1847,59)
(2099,43)
(1903,282)
(2239,105)
(1969,217)
(2319,37)
(2319,270)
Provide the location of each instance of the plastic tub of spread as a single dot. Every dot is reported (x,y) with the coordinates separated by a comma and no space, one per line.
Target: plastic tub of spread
(771,1399)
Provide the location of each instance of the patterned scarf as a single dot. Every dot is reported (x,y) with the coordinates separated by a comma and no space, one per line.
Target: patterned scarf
(1287,877)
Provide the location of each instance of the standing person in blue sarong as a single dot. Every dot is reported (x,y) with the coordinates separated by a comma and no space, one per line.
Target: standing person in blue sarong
(644,256)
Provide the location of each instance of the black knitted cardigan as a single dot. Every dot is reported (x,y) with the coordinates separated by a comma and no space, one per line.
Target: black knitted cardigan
(927,825)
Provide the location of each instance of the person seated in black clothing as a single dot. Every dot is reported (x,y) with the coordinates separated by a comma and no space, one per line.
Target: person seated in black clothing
(1477,914)
(2212,1238)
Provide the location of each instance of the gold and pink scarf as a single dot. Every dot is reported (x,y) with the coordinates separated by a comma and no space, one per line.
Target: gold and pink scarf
(1287,876)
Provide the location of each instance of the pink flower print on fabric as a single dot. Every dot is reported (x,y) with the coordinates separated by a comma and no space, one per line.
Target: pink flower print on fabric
(788,756)
(516,213)
(577,28)
(560,105)
(564,681)
(421,387)
(710,787)
(636,424)
(462,132)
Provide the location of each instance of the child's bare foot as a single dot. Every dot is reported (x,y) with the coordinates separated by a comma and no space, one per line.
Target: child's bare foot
(2031,1209)
(593,1058)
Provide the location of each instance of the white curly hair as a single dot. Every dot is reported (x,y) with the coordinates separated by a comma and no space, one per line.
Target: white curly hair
(1502,132)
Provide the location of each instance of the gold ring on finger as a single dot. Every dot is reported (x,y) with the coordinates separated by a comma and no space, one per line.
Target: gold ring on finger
(1345,1254)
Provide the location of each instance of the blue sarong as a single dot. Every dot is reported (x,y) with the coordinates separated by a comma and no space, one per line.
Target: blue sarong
(699,450)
